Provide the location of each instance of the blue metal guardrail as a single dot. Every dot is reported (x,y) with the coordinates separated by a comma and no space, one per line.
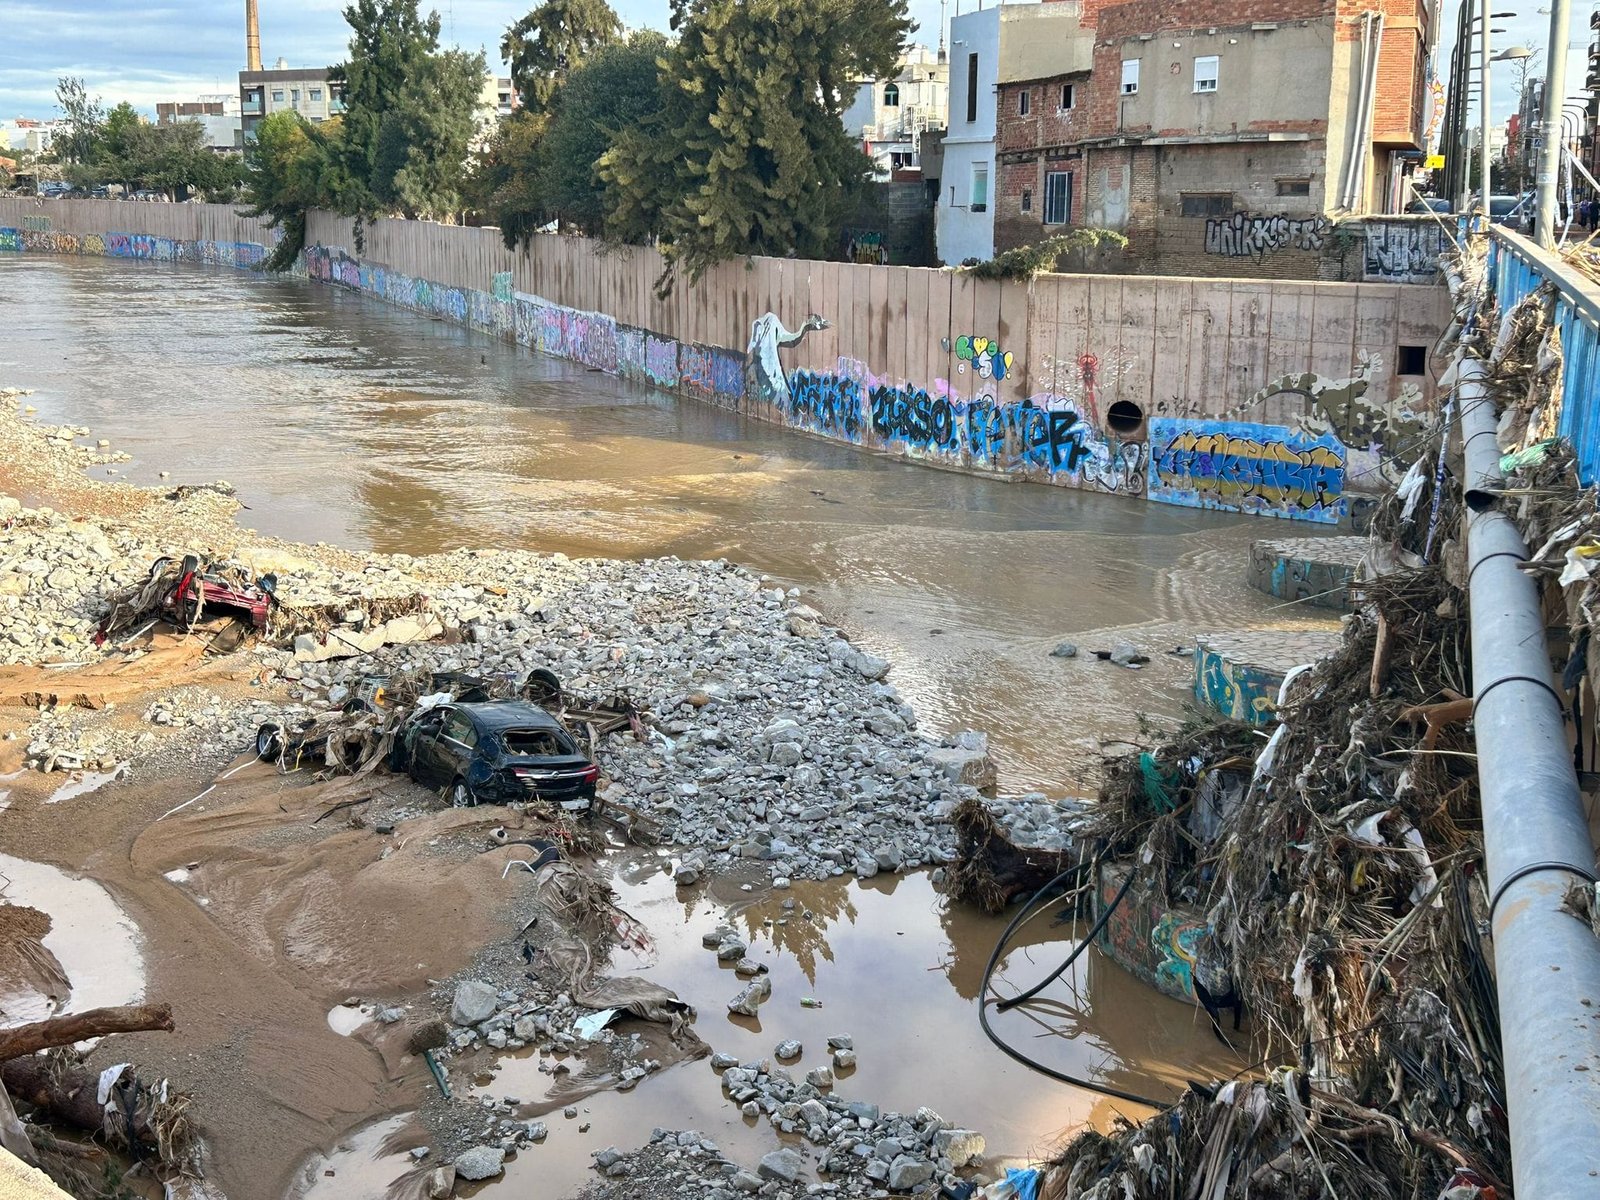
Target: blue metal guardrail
(1518,267)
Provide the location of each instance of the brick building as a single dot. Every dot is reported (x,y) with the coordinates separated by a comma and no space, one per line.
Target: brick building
(1217,135)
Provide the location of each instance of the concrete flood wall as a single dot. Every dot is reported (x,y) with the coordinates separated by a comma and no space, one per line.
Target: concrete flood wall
(1257,396)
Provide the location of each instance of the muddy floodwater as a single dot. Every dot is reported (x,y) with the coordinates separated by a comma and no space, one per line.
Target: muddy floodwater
(342,419)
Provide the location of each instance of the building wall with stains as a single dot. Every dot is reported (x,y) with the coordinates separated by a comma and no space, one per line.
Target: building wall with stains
(1265,397)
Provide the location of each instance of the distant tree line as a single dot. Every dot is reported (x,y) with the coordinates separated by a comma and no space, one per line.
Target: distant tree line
(723,139)
(97,148)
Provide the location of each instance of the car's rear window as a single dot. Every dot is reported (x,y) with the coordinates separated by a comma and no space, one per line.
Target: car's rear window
(1500,208)
(536,741)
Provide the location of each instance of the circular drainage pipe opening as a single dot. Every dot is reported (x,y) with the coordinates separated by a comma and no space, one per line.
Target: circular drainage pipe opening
(1124,416)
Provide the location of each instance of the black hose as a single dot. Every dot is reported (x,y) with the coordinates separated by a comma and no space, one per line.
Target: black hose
(984,1001)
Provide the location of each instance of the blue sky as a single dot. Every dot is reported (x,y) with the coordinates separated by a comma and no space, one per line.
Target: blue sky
(161,50)
(149,50)
(1529,27)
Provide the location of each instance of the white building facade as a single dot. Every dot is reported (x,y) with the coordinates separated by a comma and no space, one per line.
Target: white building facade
(889,116)
(964,216)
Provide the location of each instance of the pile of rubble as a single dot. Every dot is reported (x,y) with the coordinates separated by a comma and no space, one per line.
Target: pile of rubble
(775,740)
(857,1149)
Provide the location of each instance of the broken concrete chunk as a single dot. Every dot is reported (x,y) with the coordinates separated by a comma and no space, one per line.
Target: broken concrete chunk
(783,1165)
(474,1001)
(481,1162)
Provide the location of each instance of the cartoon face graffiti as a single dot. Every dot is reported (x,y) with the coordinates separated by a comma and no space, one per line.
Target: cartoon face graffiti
(984,355)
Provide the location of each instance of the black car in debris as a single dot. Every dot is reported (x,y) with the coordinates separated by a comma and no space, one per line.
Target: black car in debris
(495,752)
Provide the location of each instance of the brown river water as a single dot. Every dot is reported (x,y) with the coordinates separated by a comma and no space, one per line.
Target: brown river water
(342,420)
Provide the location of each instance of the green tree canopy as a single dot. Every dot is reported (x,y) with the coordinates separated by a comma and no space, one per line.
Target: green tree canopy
(85,118)
(553,40)
(409,113)
(749,153)
(541,168)
(291,167)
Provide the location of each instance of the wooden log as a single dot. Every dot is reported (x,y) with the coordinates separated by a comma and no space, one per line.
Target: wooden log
(77,1027)
(68,1095)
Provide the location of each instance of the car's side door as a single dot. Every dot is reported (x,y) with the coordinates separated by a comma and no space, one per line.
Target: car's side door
(457,741)
(425,746)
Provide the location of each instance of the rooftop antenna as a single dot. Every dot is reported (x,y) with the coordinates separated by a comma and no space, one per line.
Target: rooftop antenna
(943,57)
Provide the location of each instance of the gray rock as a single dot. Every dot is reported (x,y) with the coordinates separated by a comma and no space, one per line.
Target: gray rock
(474,1001)
(1064,650)
(1126,654)
(749,999)
(783,1165)
(844,1060)
(481,1162)
(820,1078)
(960,1146)
(788,1051)
(907,1172)
(721,1062)
(608,1156)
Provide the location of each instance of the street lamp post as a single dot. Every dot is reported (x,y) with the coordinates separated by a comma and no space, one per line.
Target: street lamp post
(1483,124)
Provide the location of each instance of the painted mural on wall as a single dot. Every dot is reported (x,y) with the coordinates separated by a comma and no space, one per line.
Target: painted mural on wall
(1404,252)
(866,247)
(712,372)
(37,237)
(767,382)
(1155,942)
(984,356)
(1234,466)
(1254,235)
(1234,689)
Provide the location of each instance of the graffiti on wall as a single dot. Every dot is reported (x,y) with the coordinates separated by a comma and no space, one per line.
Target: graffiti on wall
(1404,253)
(1153,940)
(1252,235)
(1238,467)
(908,415)
(500,285)
(10,239)
(661,361)
(826,403)
(1235,689)
(37,224)
(984,356)
(866,246)
(711,371)
(766,381)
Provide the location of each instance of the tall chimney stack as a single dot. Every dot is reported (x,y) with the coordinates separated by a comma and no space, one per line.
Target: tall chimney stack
(252,36)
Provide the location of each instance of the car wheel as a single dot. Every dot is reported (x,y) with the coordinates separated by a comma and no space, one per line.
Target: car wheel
(269,742)
(461,795)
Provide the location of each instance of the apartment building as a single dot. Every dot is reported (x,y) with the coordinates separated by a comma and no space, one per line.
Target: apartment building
(305,90)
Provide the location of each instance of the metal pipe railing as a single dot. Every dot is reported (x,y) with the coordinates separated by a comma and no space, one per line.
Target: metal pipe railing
(1536,841)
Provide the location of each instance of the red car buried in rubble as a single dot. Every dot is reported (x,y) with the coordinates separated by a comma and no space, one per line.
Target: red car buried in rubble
(182,592)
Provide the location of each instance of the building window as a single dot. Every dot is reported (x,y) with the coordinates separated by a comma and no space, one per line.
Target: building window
(315,94)
(1205,72)
(980,187)
(1294,187)
(1057,197)
(891,96)
(972,88)
(1027,199)
(1024,102)
(1130,76)
(277,95)
(1069,97)
(1207,204)
(294,95)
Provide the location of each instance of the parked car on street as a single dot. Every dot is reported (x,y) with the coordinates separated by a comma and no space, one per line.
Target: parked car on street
(493,753)
(1427,204)
(1509,210)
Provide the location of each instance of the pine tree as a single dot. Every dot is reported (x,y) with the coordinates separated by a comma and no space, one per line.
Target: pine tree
(749,154)
(409,112)
(551,41)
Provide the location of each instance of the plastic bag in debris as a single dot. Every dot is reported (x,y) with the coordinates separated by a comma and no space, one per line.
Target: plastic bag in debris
(1020,1183)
